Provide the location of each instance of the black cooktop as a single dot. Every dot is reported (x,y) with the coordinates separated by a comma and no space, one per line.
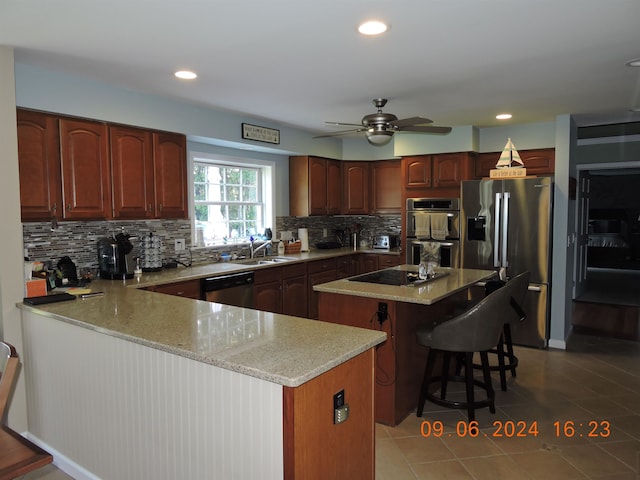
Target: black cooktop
(394,277)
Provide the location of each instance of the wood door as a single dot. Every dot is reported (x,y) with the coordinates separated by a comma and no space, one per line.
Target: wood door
(386,195)
(268,297)
(388,261)
(39,165)
(86,185)
(355,188)
(417,171)
(317,279)
(448,170)
(295,296)
(170,167)
(188,289)
(537,162)
(334,187)
(368,263)
(317,186)
(131,172)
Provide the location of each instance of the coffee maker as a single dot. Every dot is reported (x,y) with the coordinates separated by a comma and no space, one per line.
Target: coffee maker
(116,258)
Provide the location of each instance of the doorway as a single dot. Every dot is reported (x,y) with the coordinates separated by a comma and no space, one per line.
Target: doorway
(607,294)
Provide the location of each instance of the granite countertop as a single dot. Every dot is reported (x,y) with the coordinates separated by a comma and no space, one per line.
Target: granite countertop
(278,348)
(427,293)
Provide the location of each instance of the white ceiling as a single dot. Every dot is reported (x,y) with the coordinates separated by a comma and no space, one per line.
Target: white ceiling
(302,63)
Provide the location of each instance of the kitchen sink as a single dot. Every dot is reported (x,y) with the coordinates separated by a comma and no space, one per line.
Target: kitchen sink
(264,261)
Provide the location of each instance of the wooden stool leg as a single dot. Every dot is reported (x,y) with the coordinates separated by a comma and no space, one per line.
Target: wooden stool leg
(428,370)
(468,375)
(484,359)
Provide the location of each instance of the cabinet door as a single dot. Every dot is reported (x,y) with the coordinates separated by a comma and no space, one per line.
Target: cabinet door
(170,167)
(385,187)
(86,186)
(131,172)
(355,188)
(334,187)
(39,165)
(268,297)
(317,186)
(388,261)
(317,279)
(345,267)
(368,263)
(447,170)
(417,171)
(295,296)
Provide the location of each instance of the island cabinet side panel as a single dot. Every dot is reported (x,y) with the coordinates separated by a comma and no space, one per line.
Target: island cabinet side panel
(111,408)
(315,446)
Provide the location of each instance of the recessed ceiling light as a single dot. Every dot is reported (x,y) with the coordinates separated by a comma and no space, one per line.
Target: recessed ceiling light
(373,27)
(504,116)
(185,74)
(633,63)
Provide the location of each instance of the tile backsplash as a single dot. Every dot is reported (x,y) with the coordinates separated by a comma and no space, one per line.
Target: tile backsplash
(78,240)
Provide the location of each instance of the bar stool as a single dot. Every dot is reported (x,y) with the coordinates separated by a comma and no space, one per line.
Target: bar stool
(476,330)
(507,360)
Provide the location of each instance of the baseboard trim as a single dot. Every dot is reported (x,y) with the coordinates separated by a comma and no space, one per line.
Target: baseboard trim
(62,462)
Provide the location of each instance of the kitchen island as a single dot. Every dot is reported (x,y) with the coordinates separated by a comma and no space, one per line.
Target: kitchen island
(400,360)
(135,384)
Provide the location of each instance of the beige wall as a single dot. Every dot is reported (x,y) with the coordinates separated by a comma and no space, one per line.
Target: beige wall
(11,254)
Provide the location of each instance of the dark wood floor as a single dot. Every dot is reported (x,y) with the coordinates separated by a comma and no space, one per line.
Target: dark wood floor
(610,305)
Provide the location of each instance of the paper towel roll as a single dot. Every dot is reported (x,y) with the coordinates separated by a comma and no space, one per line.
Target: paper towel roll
(303,236)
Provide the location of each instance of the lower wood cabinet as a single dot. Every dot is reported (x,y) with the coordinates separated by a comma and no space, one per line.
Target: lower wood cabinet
(267,289)
(320,271)
(188,289)
(282,290)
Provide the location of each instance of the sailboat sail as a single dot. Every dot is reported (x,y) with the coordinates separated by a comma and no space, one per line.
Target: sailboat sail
(509,158)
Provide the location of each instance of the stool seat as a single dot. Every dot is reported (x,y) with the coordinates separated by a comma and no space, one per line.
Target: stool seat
(476,330)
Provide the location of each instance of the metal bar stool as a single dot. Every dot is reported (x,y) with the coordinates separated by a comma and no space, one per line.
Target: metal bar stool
(476,330)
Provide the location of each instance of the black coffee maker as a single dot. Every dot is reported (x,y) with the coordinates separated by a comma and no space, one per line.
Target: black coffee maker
(116,258)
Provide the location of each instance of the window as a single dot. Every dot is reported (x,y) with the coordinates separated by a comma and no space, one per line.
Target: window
(230,200)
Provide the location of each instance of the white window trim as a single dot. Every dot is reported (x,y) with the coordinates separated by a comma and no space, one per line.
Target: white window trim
(268,184)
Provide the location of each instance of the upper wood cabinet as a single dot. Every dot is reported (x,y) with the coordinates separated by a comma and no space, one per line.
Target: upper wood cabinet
(417,171)
(355,188)
(79,169)
(449,169)
(132,172)
(537,162)
(170,168)
(39,165)
(386,194)
(86,184)
(315,186)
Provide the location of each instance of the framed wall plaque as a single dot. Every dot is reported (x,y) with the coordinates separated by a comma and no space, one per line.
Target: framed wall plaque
(260,134)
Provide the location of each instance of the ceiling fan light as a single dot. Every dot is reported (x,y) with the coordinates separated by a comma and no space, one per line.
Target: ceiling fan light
(379,137)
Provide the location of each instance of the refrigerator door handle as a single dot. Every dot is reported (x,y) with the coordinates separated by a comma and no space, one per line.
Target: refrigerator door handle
(496,229)
(505,229)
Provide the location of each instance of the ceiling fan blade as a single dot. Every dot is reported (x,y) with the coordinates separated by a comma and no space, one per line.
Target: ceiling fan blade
(340,124)
(425,129)
(342,132)
(411,121)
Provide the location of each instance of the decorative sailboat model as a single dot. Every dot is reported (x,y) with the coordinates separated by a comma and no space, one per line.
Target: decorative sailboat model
(509,164)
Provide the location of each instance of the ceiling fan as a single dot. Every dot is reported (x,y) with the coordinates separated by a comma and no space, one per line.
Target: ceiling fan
(380,127)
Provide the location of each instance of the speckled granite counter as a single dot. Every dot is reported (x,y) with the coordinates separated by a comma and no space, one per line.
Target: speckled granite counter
(427,293)
(282,349)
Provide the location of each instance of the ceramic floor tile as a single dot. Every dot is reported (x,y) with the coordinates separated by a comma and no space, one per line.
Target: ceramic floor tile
(497,466)
(544,464)
(593,461)
(447,470)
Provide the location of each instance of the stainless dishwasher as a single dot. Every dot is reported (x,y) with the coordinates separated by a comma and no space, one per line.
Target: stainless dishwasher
(235,289)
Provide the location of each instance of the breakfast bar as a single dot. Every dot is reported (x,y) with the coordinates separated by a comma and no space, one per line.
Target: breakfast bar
(396,302)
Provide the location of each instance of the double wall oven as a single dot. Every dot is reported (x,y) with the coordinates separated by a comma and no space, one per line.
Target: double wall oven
(433,230)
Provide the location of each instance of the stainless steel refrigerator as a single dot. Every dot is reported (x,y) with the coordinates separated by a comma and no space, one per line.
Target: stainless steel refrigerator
(507,224)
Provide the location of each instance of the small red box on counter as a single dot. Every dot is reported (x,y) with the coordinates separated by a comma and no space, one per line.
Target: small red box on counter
(36,288)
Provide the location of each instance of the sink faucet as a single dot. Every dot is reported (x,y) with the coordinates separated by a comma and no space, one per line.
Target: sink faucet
(253,250)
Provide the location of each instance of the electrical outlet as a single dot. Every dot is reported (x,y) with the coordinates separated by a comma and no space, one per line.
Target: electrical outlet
(383,312)
(324,233)
(179,244)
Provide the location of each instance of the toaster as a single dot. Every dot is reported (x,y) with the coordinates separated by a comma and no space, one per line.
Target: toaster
(385,242)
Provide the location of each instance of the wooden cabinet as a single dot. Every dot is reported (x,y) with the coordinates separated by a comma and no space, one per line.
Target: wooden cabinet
(388,261)
(188,289)
(386,193)
(170,168)
(417,171)
(39,165)
(537,162)
(267,289)
(368,262)
(355,188)
(449,169)
(320,271)
(132,172)
(346,266)
(86,184)
(295,292)
(315,186)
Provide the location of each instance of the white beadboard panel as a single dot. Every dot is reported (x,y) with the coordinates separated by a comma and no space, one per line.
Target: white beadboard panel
(125,411)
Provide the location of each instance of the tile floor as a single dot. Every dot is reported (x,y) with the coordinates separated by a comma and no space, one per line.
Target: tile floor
(595,380)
